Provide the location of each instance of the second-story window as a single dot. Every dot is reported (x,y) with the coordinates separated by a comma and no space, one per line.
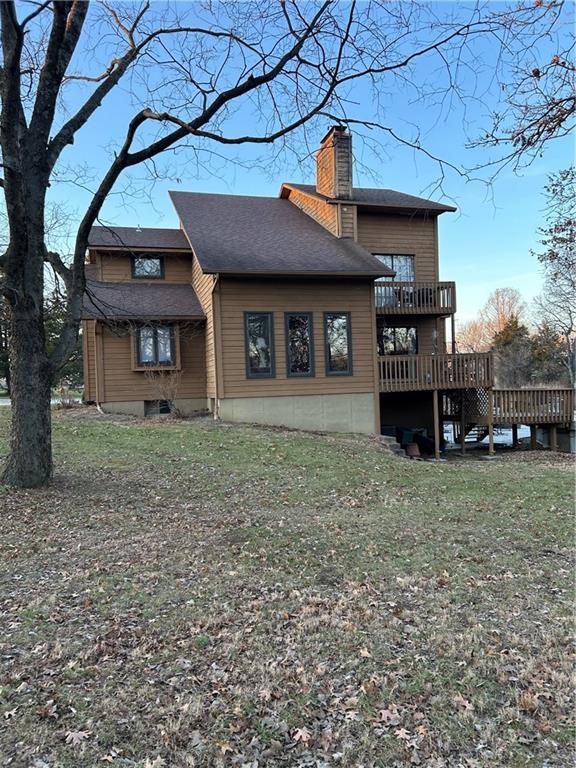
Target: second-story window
(402,264)
(402,340)
(299,344)
(148,267)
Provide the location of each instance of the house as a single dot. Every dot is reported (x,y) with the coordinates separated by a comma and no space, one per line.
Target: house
(320,309)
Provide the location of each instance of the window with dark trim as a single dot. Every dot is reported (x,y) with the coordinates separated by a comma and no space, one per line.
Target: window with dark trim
(338,343)
(148,267)
(402,340)
(401,263)
(299,344)
(155,346)
(259,340)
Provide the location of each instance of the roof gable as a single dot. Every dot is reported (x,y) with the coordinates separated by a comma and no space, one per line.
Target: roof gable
(266,235)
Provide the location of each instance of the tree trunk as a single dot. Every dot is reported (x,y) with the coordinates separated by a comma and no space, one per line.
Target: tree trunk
(29,463)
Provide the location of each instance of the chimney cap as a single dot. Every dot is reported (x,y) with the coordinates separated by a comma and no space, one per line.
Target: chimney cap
(334,129)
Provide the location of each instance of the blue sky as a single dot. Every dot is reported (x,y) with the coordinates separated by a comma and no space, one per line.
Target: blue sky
(484,246)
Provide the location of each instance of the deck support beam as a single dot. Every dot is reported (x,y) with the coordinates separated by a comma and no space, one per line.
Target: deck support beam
(553,437)
(533,443)
(436,424)
(463,424)
(514,435)
(490,422)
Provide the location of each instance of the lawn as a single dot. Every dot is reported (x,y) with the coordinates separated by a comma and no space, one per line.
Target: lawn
(188,594)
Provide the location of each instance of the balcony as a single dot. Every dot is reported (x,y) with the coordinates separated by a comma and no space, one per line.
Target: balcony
(411,373)
(415,298)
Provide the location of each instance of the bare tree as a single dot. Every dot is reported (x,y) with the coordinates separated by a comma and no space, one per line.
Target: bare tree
(471,337)
(189,69)
(538,102)
(557,303)
(502,306)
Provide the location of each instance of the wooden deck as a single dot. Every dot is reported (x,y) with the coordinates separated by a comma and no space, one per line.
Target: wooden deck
(531,406)
(413,373)
(415,298)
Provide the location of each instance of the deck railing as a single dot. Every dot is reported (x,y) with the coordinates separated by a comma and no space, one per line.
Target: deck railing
(533,406)
(413,298)
(409,373)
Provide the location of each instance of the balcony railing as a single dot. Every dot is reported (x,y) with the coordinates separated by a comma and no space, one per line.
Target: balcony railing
(409,373)
(533,406)
(415,298)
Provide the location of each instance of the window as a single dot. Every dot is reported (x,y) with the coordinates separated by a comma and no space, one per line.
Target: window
(403,265)
(299,344)
(259,330)
(150,267)
(396,341)
(338,343)
(156,346)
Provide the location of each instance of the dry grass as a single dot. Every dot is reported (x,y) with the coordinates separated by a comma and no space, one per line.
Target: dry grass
(196,595)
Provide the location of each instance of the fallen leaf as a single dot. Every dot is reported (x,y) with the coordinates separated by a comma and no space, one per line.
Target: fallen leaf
(527,702)
(463,703)
(389,717)
(302,735)
(75,738)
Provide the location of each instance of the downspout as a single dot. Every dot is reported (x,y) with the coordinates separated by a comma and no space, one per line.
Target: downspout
(216,335)
(97,353)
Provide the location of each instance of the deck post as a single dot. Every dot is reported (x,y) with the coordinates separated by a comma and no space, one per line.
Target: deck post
(436,424)
(514,435)
(490,422)
(453,333)
(553,437)
(533,444)
(463,424)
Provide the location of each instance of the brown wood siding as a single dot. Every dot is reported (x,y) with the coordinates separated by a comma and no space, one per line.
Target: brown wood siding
(348,221)
(324,214)
(325,171)
(396,234)
(203,285)
(115,266)
(280,296)
(89,359)
(121,383)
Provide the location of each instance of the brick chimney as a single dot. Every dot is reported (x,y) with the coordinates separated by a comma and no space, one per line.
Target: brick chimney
(334,164)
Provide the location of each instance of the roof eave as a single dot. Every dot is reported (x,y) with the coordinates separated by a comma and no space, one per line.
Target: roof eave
(438,208)
(285,273)
(104,316)
(140,248)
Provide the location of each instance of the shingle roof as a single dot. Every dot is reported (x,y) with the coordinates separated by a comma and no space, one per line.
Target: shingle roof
(383,198)
(266,235)
(124,300)
(137,237)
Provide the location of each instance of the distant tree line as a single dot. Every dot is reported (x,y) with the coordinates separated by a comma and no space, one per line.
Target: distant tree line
(543,352)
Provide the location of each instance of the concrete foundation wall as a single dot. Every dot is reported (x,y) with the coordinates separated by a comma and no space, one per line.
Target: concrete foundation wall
(325,413)
(128,407)
(136,407)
